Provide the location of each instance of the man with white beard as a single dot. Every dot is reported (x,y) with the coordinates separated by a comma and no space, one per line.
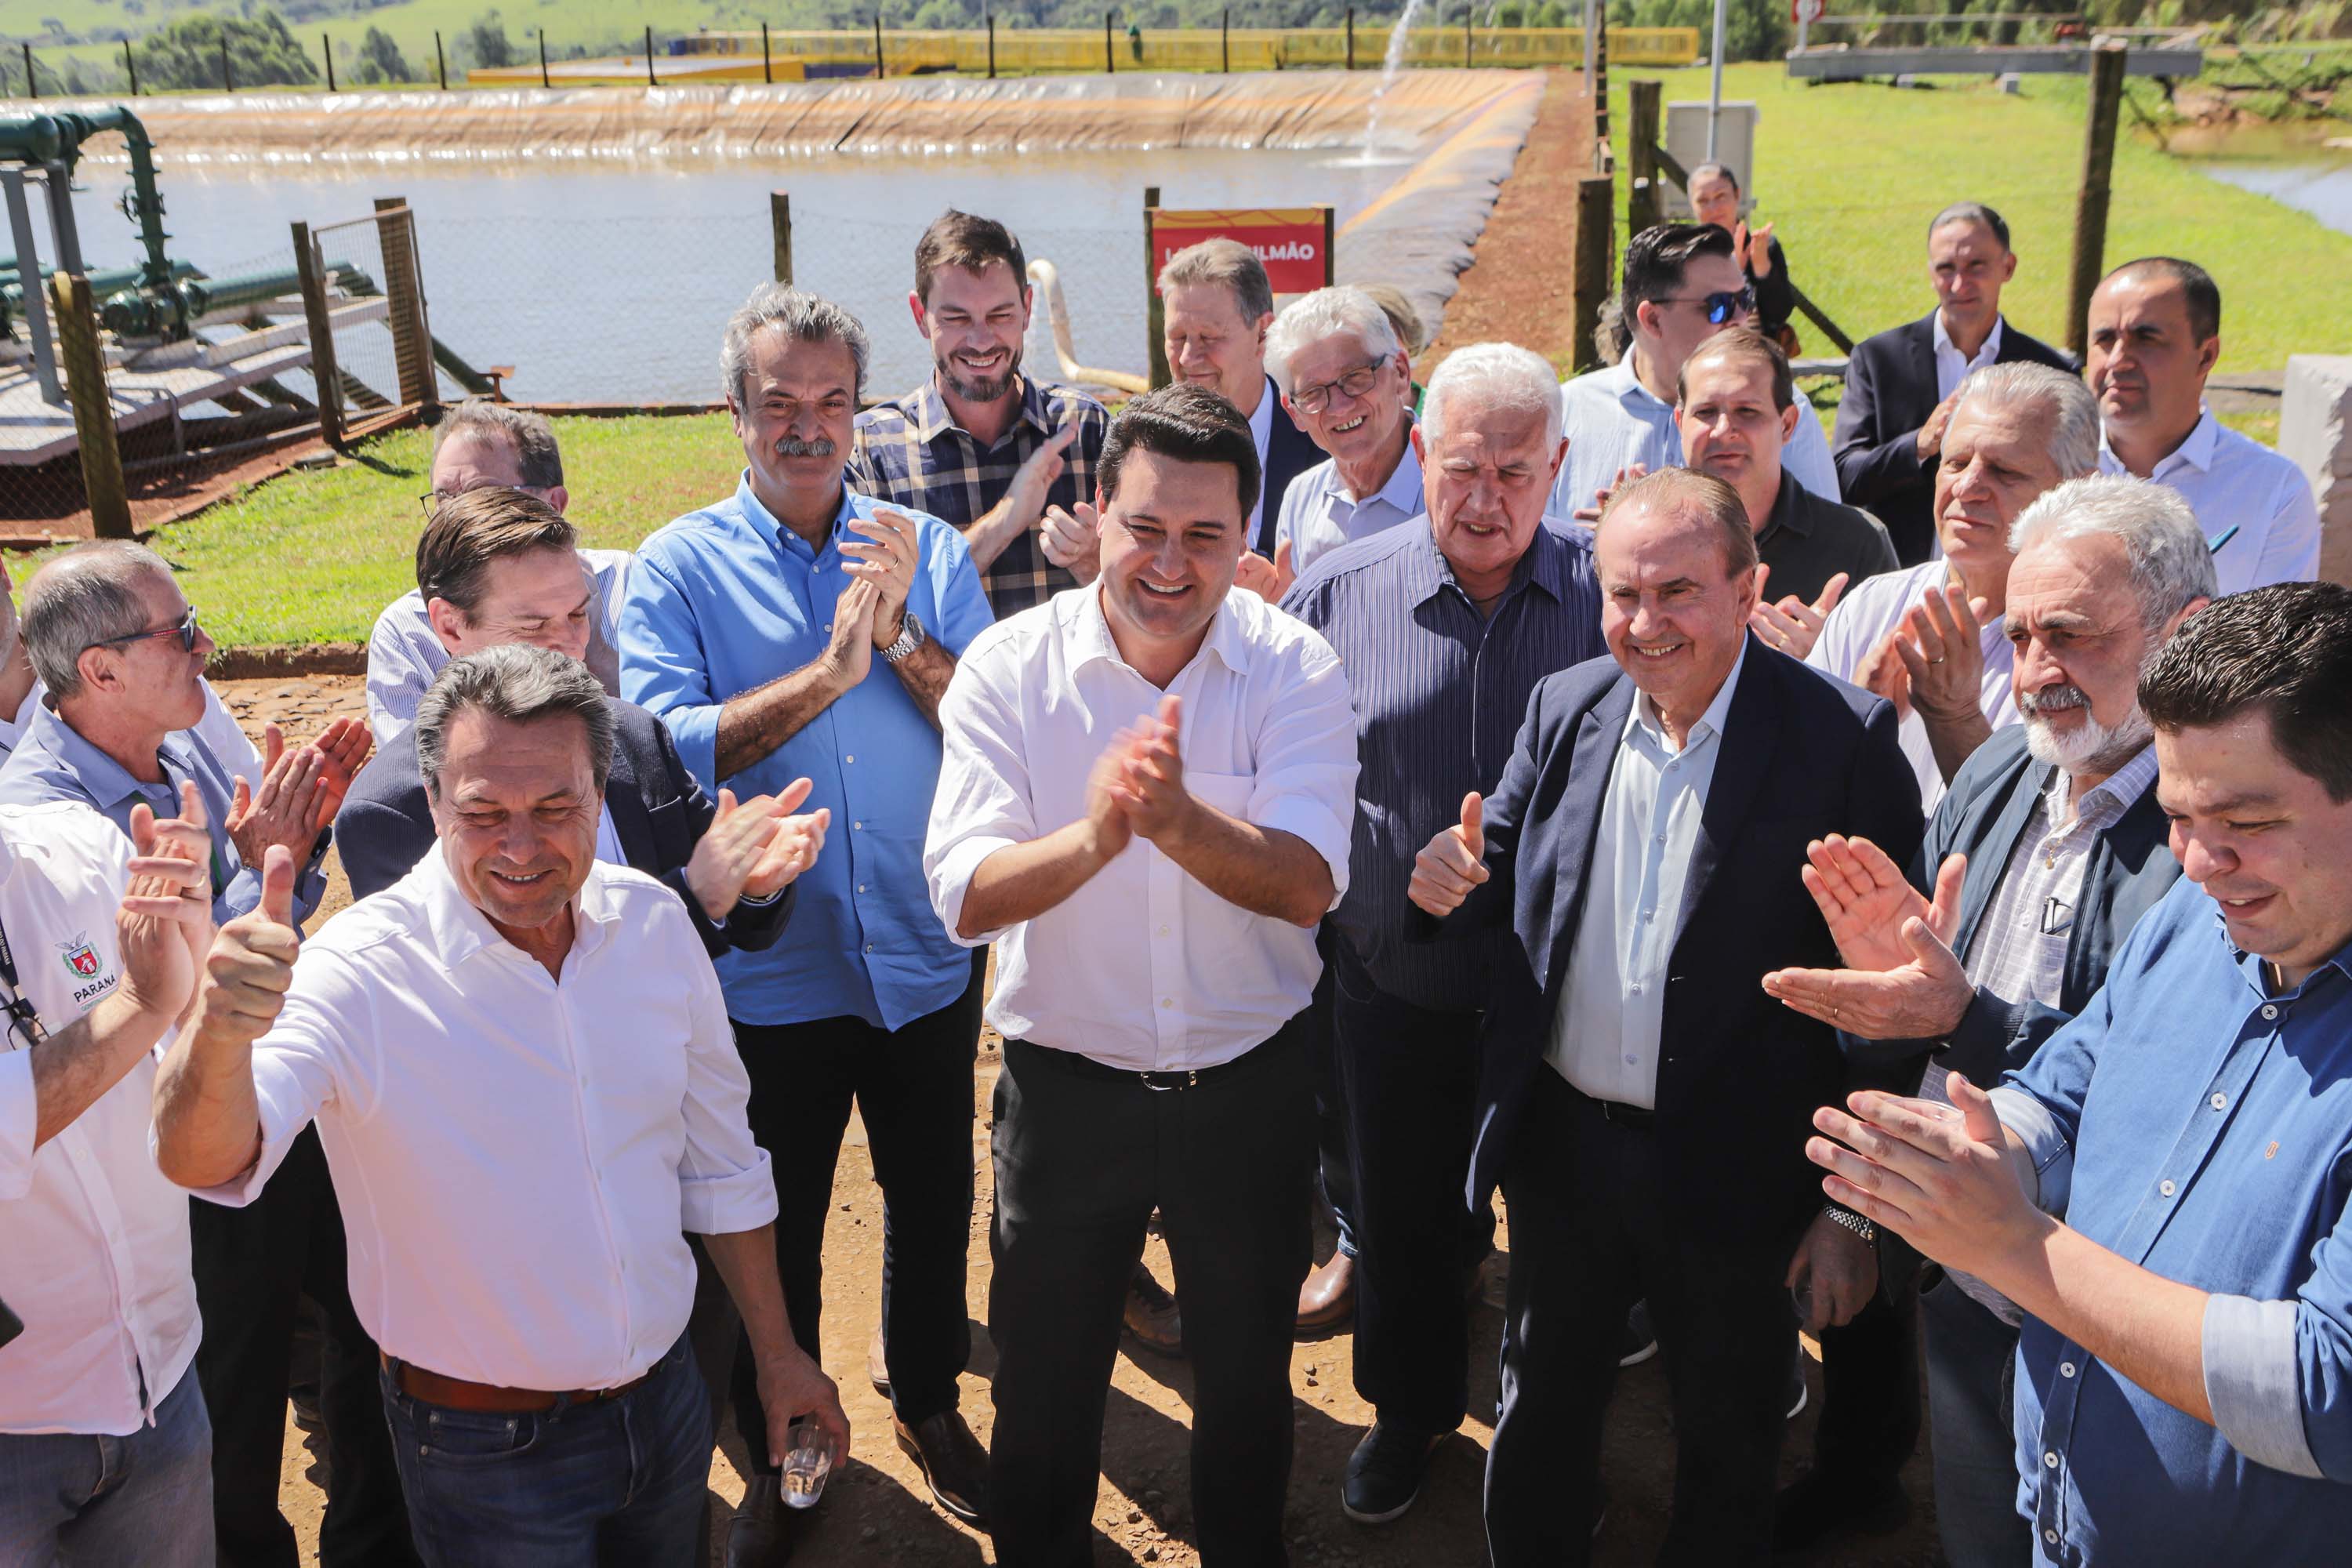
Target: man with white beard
(2049,848)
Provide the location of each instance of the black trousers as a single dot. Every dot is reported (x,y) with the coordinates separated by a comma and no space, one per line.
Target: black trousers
(1409,1078)
(1081,1161)
(252,1266)
(1591,1230)
(914,1089)
(1334,1174)
(1870,1390)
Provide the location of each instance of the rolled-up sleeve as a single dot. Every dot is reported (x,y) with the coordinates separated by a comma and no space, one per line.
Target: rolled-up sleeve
(663,666)
(984,803)
(723,1179)
(303,1064)
(19,1123)
(1304,782)
(2253,1381)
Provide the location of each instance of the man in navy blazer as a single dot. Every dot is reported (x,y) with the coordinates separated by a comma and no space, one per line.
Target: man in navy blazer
(1899,383)
(1643,1101)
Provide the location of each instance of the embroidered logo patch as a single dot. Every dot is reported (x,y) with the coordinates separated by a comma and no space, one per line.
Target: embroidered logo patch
(2271,1152)
(80,957)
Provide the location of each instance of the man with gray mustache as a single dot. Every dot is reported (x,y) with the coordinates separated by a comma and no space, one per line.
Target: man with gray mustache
(2049,847)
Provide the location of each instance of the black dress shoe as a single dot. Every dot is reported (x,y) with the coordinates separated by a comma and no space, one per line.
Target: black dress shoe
(952,1461)
(1384,1473)
(1815,1507)
(760,1534)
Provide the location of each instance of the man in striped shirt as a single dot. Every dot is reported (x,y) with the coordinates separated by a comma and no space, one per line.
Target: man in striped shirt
(979,445)
(1444,624)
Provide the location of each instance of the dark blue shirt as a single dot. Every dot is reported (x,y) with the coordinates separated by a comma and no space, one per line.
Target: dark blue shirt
(1439,692)
(2199,1126)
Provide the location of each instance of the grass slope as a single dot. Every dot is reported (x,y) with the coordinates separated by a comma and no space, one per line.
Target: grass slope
(312,557)
(1852,171)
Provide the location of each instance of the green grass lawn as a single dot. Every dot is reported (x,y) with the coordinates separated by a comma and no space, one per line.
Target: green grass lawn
(1852,171)
(312,557)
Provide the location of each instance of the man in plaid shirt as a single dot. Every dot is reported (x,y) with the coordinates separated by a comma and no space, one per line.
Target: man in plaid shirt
(1008,463)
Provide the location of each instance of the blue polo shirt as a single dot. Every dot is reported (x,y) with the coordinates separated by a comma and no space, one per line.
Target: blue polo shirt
(727,599)
(2197,1124)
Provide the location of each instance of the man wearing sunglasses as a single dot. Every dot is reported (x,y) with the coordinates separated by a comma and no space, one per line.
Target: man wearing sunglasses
(480,445)
(1682,285)
(123,657)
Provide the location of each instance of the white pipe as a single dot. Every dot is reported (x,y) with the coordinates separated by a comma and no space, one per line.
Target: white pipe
(1043,274)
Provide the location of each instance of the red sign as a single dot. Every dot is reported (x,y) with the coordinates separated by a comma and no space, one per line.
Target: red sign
(1291,241)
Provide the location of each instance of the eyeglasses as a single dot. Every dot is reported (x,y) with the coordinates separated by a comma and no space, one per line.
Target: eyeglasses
(1720,308)
(433,500)
(1355,384)
(187,630)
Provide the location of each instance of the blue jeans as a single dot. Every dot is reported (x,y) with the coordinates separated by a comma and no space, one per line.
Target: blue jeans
(145,1499)
(616,1482)
(1971,1361)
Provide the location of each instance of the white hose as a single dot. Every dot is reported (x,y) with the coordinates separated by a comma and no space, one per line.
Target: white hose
(1043,274)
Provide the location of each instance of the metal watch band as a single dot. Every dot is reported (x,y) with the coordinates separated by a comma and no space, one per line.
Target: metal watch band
(1853,1222)
(910,637)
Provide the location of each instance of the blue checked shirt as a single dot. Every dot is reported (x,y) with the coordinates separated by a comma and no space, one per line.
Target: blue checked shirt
(2199,1126)
(727,599)
(1439,692)
(910,453)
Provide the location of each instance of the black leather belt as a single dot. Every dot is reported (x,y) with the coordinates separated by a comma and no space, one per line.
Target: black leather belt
(1619,1112)
(1173,1081)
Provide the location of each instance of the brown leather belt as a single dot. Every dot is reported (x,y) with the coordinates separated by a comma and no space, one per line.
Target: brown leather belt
(486,1399)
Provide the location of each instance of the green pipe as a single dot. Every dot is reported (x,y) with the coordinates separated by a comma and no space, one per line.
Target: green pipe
(58,138)
(461,372)
(100,283)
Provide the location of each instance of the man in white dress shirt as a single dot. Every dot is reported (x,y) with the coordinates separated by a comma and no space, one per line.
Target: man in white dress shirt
(1929,638)
(105,1450)
(1681,285)
(480,445)
(2155,333)
(522,1072)
(1146,803)
(1347,382)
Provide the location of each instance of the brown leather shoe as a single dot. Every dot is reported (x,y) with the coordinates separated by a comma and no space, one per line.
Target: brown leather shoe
(1152,1317)
(1327,1298)
(952,1461)
(877,1365)
(760,1534)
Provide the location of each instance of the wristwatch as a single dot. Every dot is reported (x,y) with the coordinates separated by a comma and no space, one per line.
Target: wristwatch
(1853,1222)
(911,636)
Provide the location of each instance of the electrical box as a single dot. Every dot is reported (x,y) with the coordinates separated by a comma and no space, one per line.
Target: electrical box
(1734,149)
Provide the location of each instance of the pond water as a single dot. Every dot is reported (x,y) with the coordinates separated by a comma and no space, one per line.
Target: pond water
(612,281)
(2322,189)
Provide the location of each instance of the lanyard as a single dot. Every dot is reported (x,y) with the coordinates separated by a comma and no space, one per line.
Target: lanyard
(21,1014)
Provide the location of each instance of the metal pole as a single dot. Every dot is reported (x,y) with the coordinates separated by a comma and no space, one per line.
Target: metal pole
(440,62)
(1715,85)
(58,187)
(33,88)
(650,56)
(1351,38)
(767,61)
(1588,44)
(992,45)
(2091,202)
(327,52)
(1111,62)
(102,459)
(228,83)
(542,59)
(880,71)
(28,272)
(1469,17)
(1225,38)
(131,66)
(780,220)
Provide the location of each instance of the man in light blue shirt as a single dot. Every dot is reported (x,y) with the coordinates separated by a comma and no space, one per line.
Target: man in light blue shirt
(1347,381)
(796,630)
(2163,1189)
(1682,285)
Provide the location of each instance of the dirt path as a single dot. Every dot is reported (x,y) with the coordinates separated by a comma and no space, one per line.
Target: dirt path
(1519,286)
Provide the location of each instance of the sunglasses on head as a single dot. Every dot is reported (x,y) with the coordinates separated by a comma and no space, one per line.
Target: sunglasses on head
(1724,307)
(185,630)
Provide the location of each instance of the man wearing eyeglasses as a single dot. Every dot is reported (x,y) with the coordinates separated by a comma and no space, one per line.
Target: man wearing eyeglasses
(1682,285)
(479,445)
(122,654)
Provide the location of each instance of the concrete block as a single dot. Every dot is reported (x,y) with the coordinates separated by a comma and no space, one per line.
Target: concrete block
(2315,431)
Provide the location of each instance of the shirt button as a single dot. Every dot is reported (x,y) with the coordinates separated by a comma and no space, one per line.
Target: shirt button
(2065,1369)
(1163,931)
(2269,1011)
(869,947)
(2050,1459)
(2051,1536)
(1168,1001)
(2220,1102)
(2165,1187)
(1637,991)
(858,828)
(861,886)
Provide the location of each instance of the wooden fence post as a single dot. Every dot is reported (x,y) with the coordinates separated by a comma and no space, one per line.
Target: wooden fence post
(780,220)
(1225,38)
(1155,314)
(1642,197)
(131,67)
(542,59)
(767,61)
(1596,236)
(650,80)
(2091,201)
(322,337)
(85,367)
(229,82)
(880,68)
(1110,61)
(1351,38)
(440,63)
(404,292)
(992,45)
(327,52)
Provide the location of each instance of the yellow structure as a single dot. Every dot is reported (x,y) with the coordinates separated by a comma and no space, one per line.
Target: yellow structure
(736,57)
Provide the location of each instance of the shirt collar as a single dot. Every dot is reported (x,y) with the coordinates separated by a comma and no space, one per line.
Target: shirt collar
(1988,354)
(772,529)
(1629,388)
(2194,451)
(2107,800)
(1090,635)
(1543,564)
(1404,490)
(1786,513)
(1710,724)
(107,782)
(927,410)
(460,929)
